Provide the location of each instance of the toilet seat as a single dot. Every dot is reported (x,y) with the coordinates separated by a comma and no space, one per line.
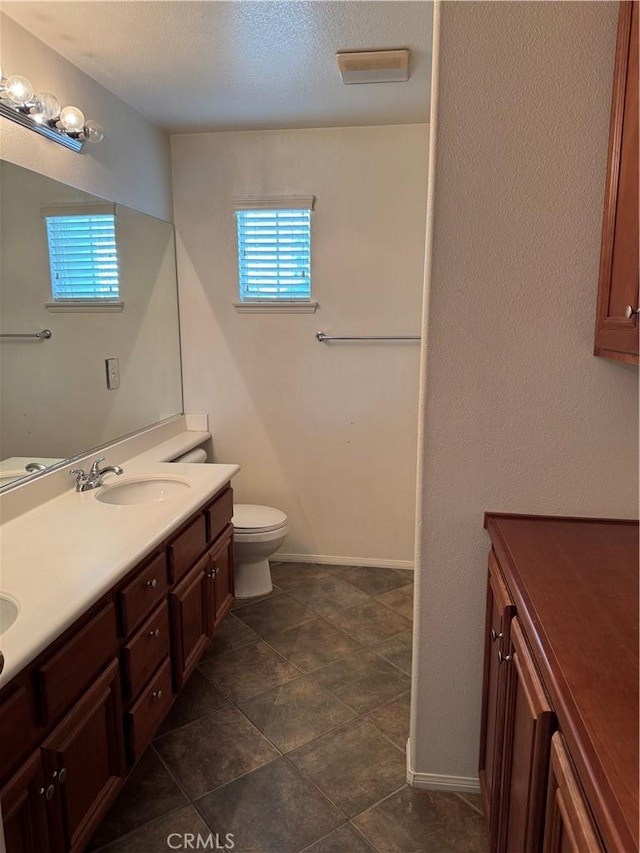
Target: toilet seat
(253,518)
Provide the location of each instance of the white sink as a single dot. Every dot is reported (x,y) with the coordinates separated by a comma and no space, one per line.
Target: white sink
(9,610)
(143,490)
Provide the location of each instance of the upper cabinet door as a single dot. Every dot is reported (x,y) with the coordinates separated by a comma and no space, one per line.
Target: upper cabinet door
(618,302)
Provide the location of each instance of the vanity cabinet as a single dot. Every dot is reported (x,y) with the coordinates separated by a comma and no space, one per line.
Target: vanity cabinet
(75,721)
(568,826)
(616,334)
(559,741)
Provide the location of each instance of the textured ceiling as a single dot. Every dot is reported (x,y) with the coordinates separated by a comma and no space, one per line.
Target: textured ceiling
(240,64)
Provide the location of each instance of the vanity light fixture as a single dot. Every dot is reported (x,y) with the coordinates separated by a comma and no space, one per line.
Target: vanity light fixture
(43,113)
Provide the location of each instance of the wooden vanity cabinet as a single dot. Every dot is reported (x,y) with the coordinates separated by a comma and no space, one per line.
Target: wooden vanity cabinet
(529,720)
(568,826)
(220,595)
(67,741)
(559,741)
(24,809)
(499,612)
(616,334)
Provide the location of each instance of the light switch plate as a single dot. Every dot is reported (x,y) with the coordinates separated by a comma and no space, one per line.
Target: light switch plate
(113,373)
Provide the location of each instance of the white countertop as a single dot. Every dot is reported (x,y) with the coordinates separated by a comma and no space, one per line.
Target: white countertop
(59,558)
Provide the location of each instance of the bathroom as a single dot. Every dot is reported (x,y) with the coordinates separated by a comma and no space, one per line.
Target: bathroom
(503,398)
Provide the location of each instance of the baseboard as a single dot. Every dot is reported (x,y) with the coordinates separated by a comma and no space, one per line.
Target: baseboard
(369,562)
(437,782)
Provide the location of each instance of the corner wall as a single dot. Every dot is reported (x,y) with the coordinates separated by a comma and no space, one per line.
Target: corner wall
(517,415)
(131,165)
(326,432)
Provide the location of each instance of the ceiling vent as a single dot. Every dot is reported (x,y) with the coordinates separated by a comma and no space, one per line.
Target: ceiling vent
(374,66)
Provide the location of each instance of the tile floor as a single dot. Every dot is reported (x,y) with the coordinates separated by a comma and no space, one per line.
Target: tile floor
(290,734)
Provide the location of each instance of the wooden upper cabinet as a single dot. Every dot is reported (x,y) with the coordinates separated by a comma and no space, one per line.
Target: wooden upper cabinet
(618,301)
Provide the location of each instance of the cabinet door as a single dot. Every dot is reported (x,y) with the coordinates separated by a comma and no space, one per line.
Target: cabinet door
(568,826)
(188,604)
(500,610)
(84,760)
(529,719)
(23,810)
(617,333)
(220,577)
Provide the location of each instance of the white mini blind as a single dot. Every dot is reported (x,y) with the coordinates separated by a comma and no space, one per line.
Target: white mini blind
(83,256)
(274,249)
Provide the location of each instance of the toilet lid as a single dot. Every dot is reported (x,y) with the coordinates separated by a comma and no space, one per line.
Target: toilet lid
(255,517)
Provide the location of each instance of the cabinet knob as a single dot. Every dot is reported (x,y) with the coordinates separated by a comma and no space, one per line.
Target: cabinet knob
(152,584)
(495,636)
(629,311)
(60,775)
(157,694)
(503,658)
(50,792)
(212,572)
(154,635)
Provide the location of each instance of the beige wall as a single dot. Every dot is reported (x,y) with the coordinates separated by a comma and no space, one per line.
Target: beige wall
(516,413)
(325,432)
(131,166)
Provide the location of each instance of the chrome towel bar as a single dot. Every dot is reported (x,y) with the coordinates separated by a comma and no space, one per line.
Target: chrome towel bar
(44,335)
(320,336)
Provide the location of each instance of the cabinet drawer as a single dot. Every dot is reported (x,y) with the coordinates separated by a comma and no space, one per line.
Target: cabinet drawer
(149,710)
(66,675)
(219,514)
(18,728)
(143,593)
(186,548)
(146,650)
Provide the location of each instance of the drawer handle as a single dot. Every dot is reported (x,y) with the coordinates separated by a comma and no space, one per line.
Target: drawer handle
(60,775)
(213,572)
(49,793)
(503,658)
(154,635)
(157,694)
(152,584)
(495,636)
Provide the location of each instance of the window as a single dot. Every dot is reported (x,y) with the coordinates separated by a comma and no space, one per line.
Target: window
(82,254)
(274,251)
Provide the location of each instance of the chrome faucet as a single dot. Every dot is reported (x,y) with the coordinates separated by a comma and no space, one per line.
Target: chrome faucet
(93,479)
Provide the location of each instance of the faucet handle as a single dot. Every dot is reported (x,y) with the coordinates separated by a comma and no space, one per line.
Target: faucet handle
(95,466)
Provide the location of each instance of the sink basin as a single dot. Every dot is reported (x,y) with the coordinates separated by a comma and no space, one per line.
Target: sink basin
(8,613)
(143,490)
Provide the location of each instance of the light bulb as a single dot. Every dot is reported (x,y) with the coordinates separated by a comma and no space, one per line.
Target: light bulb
(72,119)
(93,131)
(46,108)
(18,90)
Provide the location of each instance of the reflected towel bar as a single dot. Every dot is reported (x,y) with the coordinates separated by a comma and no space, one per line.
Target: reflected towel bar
(320,336)
(44,335)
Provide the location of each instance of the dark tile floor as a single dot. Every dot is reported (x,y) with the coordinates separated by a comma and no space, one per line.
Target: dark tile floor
(291,733)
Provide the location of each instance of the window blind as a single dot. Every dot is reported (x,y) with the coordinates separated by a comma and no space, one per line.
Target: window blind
(274,254)
(83,257)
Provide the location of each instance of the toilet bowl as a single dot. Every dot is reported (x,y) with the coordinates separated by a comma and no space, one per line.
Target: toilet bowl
(258,532)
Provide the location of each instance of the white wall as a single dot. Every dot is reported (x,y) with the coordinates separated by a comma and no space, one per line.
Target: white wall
(131,166)
(516,413)
(325,432)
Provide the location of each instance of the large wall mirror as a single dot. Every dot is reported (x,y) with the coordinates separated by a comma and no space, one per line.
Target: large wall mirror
(55,402)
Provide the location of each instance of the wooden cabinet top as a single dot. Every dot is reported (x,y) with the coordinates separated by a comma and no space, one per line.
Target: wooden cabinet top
(575,585)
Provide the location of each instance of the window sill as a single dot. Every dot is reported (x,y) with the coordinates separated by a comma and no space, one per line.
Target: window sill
(82,306)
(276,307)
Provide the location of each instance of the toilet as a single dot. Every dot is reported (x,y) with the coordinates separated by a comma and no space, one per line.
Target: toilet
(258,532)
